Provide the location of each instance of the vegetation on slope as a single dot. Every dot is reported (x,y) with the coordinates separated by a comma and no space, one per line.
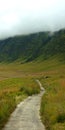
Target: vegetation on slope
(30,47)
(56,45)
(24,47)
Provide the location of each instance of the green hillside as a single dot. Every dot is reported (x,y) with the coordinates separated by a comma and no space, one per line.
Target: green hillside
(24,47)
(30,47)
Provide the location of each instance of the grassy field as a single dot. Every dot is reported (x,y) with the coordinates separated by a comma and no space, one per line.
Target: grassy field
(17,81)
(12,91)
(53,101)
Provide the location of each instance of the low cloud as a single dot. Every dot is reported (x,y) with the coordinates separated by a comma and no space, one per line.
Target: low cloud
(29,16)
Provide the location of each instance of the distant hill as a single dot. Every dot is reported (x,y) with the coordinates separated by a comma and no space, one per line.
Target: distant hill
(30,47)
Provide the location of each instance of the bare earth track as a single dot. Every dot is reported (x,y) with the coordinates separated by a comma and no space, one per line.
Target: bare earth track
(27,116)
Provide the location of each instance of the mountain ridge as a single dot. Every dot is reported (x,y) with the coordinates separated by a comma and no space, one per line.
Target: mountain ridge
(30,47)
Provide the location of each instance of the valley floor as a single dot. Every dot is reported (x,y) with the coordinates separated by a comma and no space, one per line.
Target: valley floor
(17,81)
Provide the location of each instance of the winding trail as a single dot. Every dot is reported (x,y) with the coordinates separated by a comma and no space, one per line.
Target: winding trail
(27,116)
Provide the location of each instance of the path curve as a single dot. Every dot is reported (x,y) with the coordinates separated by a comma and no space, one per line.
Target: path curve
(27,116)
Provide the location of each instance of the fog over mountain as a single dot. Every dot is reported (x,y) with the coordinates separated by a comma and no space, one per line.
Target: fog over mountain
(29,16)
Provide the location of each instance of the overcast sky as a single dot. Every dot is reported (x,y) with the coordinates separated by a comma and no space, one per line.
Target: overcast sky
(28,16)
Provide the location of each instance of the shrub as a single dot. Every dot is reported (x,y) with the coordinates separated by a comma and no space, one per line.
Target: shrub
(61,118)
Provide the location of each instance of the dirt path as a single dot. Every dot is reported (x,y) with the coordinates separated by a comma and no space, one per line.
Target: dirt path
(27,116)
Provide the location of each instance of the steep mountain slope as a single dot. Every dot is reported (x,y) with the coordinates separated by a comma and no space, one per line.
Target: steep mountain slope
(30,47)
(56,46)
(24,47)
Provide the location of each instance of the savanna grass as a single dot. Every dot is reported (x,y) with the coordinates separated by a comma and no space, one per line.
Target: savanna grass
(53,102)
(12,91)
(51,73)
